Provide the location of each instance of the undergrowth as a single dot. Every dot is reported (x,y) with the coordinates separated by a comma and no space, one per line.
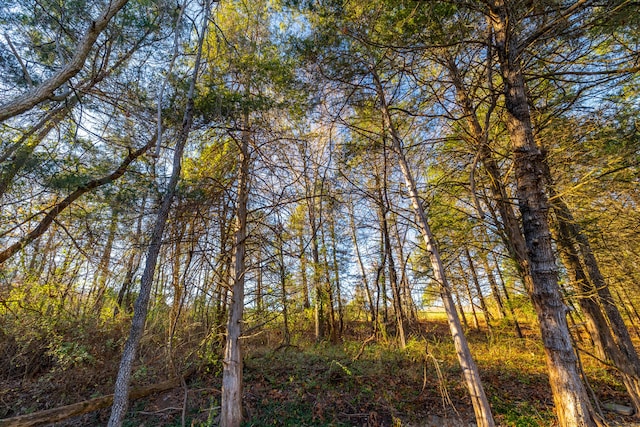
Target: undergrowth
(303,384)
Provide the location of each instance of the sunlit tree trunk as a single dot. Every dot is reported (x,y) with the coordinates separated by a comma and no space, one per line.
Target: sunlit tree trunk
(573,407)
(605,324)
(479,400)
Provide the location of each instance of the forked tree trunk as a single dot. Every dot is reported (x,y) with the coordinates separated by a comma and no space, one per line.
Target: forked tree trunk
(481,407)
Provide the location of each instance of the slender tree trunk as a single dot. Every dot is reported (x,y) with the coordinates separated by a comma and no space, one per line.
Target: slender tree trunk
(259,290)
(331,320)
(231,401)
(461,309)
(365,281)
(336,272)
(405,288)
(395,290)
(495,292)
(476,282)
(103,267)
(303,271)
(121,393)
(318,306)
(283,290)
(508,299)
(479,400)
(133,260)
(476,323)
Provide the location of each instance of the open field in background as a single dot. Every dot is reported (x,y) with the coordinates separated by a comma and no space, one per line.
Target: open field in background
(304,384)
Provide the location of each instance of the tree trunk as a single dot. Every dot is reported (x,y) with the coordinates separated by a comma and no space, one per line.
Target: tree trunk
(604,322)
(283,288)
(121,393)
(479,400)
(495,292)
(336,272)
(303,271)
(570,396)
(103,267)
(476,282)
(476,323)
(461,309)
(365,281)
(133,260)
(231,401)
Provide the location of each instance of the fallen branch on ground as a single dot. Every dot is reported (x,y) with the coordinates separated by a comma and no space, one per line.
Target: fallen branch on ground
(55,415)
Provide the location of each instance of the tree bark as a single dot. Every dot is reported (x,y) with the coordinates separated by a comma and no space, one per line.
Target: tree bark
(231,401)
(604,322)
(570,396)
(121,393)
(479,400)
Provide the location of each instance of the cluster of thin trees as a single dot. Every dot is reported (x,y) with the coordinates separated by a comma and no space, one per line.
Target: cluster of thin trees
(327,161)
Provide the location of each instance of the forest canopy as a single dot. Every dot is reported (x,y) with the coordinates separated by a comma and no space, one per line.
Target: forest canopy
(272,205)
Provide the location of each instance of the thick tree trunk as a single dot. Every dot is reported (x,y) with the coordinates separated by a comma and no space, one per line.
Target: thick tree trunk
(570,396)
(604,322)
(512,236)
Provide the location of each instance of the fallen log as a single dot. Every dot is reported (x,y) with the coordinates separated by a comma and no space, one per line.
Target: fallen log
(54,415)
